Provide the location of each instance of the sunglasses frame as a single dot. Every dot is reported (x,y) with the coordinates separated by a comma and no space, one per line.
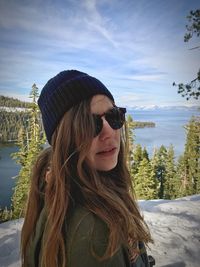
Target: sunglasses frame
(115,123)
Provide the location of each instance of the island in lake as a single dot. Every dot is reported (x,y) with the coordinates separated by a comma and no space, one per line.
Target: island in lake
(143,124)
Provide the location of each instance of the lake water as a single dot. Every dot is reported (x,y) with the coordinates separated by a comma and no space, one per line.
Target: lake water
(8,170)
(169,130)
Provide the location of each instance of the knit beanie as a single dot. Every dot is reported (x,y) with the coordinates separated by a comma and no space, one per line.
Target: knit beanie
(67,89)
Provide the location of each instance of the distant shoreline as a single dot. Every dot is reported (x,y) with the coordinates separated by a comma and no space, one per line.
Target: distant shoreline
(143,124)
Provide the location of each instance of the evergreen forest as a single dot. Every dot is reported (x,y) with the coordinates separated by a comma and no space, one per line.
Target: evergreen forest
(11,124)
(13,102)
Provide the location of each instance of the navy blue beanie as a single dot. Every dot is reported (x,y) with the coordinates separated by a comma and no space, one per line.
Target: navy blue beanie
(67,89)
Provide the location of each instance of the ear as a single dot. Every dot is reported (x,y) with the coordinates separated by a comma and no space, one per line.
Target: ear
(47,175)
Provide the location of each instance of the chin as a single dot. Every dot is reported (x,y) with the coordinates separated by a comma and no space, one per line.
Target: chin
(106,167)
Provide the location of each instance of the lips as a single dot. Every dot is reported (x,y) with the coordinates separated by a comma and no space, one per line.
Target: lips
(107,151)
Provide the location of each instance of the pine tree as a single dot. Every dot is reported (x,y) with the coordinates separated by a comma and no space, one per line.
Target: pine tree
(22,143)
(170,185)
(191,158)
(30,145)
(145,183)
(5,215)
(159,167)
(145,154)
(180,178)
(137,158)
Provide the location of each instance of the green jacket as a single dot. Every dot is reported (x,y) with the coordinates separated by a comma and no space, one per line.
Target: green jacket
(86,237)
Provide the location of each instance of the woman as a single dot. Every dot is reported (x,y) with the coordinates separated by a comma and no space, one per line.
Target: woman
(90,216)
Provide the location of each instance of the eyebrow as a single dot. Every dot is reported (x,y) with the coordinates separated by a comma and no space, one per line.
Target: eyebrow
(101,115)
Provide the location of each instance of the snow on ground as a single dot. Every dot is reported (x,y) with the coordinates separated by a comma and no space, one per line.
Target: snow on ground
(10,243)
(175,226)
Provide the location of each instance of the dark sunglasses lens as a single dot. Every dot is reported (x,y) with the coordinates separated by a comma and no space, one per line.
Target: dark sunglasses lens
(116,118)
(98,124)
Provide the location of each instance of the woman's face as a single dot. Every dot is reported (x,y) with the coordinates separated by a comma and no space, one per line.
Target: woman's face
(104,150)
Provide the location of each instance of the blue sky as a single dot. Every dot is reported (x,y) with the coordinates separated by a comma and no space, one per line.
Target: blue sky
(135,47)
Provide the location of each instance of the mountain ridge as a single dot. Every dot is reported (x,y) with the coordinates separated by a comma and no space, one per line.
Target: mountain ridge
(10,102)
(156,107)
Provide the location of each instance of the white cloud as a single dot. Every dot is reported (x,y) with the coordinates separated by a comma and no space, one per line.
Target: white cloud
(40,39)
(146,77)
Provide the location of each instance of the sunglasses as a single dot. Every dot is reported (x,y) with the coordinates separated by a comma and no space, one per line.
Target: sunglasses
(115,118)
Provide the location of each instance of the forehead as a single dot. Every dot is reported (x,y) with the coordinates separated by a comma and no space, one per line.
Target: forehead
(100,104)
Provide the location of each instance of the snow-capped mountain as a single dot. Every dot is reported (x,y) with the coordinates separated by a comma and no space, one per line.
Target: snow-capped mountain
(13,109)
(156,107)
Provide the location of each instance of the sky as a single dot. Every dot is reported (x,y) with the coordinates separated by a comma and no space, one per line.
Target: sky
(135,47)
(174,225)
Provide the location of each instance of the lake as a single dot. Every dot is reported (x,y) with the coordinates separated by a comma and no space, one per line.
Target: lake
(169,130)
(9,169)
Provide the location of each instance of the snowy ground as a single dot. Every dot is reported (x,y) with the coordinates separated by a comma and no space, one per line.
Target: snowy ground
(175,226)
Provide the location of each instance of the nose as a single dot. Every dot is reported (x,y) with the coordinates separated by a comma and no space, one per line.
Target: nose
(106,131)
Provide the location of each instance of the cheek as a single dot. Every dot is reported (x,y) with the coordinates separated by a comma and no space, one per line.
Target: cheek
(118,137)
(92,151)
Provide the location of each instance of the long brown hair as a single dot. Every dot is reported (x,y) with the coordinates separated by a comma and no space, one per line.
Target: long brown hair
(109,195)
(35,201)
